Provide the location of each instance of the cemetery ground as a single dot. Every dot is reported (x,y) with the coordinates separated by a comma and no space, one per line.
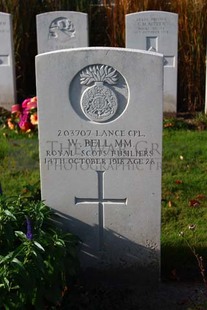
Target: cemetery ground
(184,215)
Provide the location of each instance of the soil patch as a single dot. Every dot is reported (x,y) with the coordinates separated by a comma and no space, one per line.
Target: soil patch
(165,296)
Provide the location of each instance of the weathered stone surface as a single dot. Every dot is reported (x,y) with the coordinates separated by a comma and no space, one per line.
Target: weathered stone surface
(60,30)
(7,71)
(157,31)
(100,152)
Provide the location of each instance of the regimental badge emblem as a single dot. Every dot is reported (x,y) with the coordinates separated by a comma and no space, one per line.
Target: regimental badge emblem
(99,102)
(99,93)
(61,29)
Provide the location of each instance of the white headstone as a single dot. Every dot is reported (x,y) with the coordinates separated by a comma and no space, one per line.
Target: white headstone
(100,151)
(157,31)
(61,30)
(7,71)
(206,84)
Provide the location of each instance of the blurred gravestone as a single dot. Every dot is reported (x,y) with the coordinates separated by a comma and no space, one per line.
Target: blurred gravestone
(61,30)
(157,31)
(7,71)
(206,84)
(100,153)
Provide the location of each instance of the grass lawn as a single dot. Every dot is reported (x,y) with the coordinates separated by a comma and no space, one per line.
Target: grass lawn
(184,190)
(19,162)
(184,199)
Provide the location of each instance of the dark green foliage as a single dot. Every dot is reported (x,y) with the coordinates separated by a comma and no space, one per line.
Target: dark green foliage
(37,260)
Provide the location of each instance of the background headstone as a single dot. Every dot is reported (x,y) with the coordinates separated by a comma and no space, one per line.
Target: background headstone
(7,71)
(206,84)
(157,31)
(100,152)
(61,30)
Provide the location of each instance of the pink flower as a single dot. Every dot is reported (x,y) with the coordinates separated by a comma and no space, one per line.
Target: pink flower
(29,104)
(24,103)
(16,108)
(24,123)
(32,105)
(24,116)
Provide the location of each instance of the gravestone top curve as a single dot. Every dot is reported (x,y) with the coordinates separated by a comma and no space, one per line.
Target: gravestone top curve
(61,30)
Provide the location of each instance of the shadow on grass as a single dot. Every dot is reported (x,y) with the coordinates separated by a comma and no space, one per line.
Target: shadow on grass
(180,264)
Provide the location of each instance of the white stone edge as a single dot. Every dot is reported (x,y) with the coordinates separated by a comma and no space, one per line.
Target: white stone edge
(3,13)
(68,13)
(152,11)
(99,48)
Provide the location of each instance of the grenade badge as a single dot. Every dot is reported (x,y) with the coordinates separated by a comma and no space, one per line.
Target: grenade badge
(99,102)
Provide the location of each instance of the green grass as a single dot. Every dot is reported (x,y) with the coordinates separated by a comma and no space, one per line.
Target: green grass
(184,189)
(184,198)
(19,161)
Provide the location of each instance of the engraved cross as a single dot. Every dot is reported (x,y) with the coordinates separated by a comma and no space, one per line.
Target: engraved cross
(152,46)
(101,201)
